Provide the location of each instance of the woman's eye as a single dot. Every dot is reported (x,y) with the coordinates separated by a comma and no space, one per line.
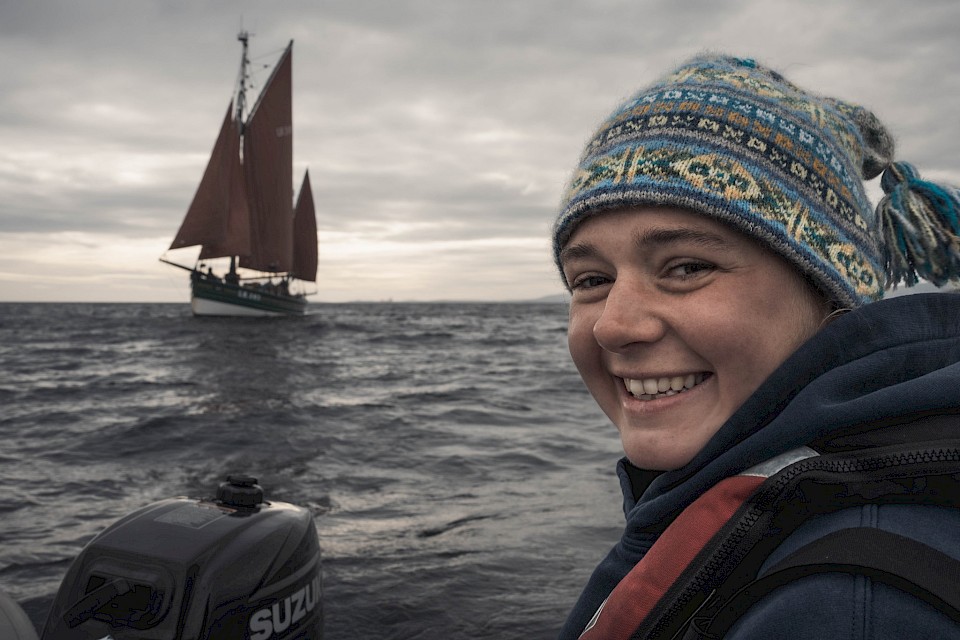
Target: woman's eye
(689,269)
(589,282)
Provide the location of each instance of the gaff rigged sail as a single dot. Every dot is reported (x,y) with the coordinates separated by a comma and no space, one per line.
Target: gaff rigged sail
(218,218)
(244,205)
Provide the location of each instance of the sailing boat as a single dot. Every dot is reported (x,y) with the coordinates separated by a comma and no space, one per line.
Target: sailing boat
(243,209)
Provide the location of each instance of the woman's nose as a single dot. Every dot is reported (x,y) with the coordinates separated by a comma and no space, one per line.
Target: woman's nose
(629,317)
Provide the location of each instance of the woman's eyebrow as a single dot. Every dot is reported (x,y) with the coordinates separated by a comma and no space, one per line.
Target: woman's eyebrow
(578,251)
(646,239)
(669,235)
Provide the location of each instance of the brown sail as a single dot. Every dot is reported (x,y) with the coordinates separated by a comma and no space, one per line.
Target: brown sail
(243,209)
(268,173)
(305,234)
(218,217)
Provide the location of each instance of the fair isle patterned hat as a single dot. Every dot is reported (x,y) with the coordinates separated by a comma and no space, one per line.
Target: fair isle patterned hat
(731,139)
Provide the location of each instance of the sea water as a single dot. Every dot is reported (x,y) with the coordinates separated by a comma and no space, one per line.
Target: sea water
(461,478)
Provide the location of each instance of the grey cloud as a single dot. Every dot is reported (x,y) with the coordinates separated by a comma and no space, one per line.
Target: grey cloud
(463,118)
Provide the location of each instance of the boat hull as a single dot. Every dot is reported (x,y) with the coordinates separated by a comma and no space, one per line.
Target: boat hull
(218,298)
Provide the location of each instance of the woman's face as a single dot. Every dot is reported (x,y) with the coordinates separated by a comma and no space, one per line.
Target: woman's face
(675,320)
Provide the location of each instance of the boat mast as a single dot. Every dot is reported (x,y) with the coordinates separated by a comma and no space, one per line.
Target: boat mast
(243,37)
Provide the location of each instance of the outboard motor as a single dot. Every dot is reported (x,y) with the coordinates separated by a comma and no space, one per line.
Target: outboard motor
(231,568)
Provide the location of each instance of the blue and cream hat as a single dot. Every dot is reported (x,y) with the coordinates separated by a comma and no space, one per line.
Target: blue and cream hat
(731,139)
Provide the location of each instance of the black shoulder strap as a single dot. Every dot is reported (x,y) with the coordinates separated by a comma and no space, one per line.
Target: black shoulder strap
(896,560)
(926,473)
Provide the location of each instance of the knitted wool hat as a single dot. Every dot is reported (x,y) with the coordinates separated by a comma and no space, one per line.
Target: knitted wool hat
(731,139)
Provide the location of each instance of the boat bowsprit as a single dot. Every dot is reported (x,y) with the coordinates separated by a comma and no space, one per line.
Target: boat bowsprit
(234,566)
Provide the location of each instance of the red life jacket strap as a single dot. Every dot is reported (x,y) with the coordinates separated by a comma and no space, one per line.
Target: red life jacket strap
(633,599)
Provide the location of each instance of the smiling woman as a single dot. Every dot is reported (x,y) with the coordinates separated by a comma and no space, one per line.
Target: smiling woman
(714,233)
(674,321)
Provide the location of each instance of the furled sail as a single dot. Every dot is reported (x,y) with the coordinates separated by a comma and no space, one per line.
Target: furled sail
(305,234)
(218,217)
(268,173)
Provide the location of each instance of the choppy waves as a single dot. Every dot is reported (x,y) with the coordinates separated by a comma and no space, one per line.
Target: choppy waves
(461,477)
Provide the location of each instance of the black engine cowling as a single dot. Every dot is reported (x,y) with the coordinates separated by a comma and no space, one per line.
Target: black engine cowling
(229,568)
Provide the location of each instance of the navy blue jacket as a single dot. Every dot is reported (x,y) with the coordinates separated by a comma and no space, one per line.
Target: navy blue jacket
(894,363)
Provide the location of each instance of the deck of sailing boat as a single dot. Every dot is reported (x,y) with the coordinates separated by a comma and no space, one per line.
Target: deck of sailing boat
(243,209)
(215,296)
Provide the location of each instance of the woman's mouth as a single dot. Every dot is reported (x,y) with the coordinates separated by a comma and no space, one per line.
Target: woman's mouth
(656,388)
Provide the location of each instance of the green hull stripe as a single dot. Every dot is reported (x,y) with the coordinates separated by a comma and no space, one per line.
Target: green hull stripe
(246,297)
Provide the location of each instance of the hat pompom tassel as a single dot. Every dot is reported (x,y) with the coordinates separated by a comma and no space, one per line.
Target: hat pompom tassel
(919,227)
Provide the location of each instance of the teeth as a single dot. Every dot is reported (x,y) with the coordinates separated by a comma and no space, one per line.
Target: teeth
(650,388)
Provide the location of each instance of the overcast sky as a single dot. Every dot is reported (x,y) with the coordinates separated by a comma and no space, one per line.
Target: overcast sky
(438,133)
